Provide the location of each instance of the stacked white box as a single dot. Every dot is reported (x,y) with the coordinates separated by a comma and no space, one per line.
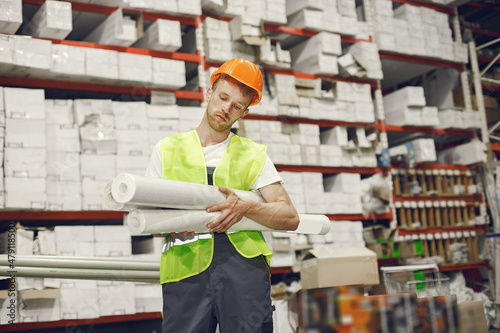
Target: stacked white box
(191,7)
(134,69)
(402,36)
(25,153)
(422,150)
(131,128)
(97,171)
(466,154)
(190,117)
(31,56)
(313,192)
(406,115)
(275,11)
(75,241)
(168,73)
(11,16)
(101,65)
(163,120)
(116,29)
(112,241)
(307,18)
(318,54)
(79,303)
(245,26)
(148,298)
(217,37)
(63,157)
(407,96)
(343,182)
(286,92)
(116,298)
(330,155)
(52,20)
(366,54)
(68,62)
(6,53)
(310,155)
(39,305)
(162,35)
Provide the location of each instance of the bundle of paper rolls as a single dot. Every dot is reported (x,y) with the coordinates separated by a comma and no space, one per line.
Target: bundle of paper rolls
(164,206)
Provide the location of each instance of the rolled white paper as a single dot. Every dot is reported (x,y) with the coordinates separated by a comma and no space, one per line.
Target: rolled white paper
(142,191)
(151,221)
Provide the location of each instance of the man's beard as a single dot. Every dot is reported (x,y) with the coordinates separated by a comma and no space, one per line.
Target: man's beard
(216,124)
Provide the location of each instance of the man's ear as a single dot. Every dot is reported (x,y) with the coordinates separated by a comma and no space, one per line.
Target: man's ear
(245,112)
(208,95)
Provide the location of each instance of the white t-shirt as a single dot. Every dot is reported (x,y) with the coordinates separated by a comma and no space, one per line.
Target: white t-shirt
(213,154)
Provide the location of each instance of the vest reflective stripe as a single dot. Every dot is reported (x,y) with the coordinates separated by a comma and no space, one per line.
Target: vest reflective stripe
(239,167)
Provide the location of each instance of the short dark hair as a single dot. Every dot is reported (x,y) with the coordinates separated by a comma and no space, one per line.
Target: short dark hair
(247,91)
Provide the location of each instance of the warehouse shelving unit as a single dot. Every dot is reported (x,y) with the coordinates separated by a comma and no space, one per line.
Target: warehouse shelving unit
(390,60)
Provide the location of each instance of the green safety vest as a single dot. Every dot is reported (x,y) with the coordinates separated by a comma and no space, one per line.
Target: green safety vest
(239,167)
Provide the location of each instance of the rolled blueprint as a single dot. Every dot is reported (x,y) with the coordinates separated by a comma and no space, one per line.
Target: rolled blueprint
(151,221)
(142,191)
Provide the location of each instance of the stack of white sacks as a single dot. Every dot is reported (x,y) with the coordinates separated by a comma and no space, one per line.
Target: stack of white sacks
(25,149)
(344,101)
(421,150)
(96,123)
(318,54)
(312,193)
(328,15)
(26,56)
(416,30)
(132,143)
(191,7)
(407,106)
(303,144)
(217,37)
(11,16)
(49,299)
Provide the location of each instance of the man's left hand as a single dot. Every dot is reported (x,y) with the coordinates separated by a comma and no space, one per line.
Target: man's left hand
(233,210)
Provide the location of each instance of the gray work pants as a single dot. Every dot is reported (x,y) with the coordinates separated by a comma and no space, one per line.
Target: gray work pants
(233,292)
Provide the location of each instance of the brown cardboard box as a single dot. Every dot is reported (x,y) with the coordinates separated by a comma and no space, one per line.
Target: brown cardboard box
(471,317)
(326,309)
(437,314)
(331,267)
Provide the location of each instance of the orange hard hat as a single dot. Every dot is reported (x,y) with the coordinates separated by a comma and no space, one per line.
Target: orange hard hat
(245,72)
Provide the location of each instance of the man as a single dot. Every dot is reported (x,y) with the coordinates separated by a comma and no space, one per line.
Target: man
(222,277)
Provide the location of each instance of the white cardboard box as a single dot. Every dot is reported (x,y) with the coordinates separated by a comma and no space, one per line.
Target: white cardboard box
(135,68)
(53,19)
(25,133)
(25,162)
(168,73)
(11,16)
(24,103)
(162,35)
(68,62)
(101,65)
(116,29)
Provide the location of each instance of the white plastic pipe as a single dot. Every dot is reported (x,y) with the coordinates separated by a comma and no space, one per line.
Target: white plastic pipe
(151,221)
(57,262)
(83,274)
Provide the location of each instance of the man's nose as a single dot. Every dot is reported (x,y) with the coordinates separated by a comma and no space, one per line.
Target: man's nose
(226,106)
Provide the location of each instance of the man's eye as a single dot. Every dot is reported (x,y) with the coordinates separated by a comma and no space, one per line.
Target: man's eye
(237,107)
